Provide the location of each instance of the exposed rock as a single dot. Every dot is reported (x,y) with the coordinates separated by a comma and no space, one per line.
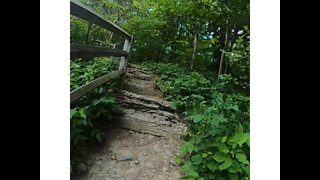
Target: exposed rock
(147,144)
(164,169)
(126,157)
(146,123)
(144,104)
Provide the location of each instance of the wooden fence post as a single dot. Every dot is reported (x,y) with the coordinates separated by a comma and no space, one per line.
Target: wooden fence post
(124,61)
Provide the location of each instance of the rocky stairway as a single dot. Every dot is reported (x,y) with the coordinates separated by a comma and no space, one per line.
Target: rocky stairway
(144,109)
(147,142)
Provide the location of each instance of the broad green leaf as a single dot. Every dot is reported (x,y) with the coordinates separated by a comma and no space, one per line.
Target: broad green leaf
(198,118)
(186,147)
(200,178)
(220,157)
(238,151)
(226,150)
(234,140)
(178,160)
(196,96)
(228,55)
(233,176)
(223,148)
(98,137)
(197,159)
(226,164)
(73,112)
(188,166)
(239,129)
(235,107)
(245,169)
(235,167)
(204,155)
(243,138)
(242,158)
(213,166)
(82,113)
(198,139)
(224,139)
(192,173)
(217,118)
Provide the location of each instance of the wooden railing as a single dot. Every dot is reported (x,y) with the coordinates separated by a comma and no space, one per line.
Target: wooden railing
(88,51)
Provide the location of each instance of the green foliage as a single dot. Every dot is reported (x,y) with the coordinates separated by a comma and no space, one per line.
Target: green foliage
(163,31)
(93,110)
(217,145)
(238,79)
(82,72)
(83,32)
(218,142)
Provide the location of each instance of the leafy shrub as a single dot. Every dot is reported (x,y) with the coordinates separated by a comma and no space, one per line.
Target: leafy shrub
(218,142)
(93,110)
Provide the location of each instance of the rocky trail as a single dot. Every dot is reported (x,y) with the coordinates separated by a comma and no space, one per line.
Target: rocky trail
(146,140)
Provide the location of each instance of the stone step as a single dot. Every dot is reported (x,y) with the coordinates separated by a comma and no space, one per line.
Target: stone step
(141,70)
(143,102)
(154,124)
(135,66)
(142,87)
(139,75)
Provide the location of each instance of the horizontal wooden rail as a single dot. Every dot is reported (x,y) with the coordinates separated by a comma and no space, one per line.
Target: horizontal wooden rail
(88,51)
(83,90)
(81,11)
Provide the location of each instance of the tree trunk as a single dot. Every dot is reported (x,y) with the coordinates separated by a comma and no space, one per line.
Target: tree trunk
(88,31)
(160,55)
(195,45)
(170,57)
(222,54)
(226,67)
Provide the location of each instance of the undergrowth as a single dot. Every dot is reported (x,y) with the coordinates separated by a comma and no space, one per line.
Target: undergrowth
(92,112)
(217,145)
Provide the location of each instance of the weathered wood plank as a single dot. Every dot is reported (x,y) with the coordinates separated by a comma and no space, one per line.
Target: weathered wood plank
(88,51)
(124,60)
(83,90)
(80,10)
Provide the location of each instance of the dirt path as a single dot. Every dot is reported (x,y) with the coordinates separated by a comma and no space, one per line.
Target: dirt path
(146,143)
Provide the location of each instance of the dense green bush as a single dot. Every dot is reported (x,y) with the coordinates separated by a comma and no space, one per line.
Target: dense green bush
(218,142)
